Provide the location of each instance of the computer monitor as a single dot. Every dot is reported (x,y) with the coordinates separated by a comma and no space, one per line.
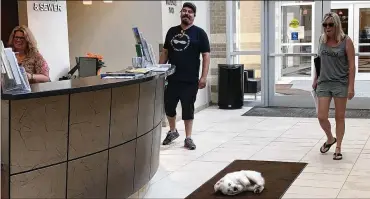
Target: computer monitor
(87,66)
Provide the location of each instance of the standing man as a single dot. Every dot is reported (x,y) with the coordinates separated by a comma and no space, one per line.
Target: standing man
(183,45)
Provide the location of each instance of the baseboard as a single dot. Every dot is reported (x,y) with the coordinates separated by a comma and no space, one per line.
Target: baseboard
(198,109)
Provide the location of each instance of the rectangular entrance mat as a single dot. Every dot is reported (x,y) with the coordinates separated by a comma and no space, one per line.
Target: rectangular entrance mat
(302,112)
(278,178)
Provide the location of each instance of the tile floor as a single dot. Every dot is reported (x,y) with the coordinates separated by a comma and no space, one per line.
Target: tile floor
(224,135)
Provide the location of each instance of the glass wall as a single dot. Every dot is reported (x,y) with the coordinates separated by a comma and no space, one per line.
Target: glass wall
(247,42)
(248,35)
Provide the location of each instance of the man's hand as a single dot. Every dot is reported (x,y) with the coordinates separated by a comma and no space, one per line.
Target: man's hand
(202,83)
(351,93)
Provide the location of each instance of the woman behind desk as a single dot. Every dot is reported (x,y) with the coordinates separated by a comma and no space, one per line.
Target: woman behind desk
(23,43)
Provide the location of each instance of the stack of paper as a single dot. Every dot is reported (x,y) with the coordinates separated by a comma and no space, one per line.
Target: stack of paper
(14,78)
(120,75)
(314,96)
(139,70)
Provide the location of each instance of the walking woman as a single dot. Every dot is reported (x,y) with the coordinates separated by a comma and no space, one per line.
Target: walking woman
(336,80)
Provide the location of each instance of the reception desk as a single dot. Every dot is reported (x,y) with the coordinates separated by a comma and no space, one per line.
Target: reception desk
(82,138)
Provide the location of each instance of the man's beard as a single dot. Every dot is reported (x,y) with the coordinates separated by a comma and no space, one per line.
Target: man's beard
(184,21)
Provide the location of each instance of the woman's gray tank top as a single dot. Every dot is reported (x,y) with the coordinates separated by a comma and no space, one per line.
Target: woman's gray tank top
(334,63)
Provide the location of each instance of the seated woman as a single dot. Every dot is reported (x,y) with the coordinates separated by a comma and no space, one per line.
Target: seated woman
(24,45)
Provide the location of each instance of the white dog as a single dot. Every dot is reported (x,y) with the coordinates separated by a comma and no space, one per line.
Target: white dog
(240,181)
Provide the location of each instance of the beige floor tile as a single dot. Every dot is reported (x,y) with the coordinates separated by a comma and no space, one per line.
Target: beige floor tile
(313,192)
(273,154)
(305,196)
(327,170)
(356,172)
(319,183)
(173,162)
(365,151)
(297,134)
(364,156)
(297,140)
(261,133)
(353,185)
(337,177)
(159,175)
(359,178)
(362,164)
(353,194)
(217,156)
(289,146)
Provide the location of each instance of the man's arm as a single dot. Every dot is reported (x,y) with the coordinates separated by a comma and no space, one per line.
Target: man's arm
(163,58)
(206,49)
(205,64)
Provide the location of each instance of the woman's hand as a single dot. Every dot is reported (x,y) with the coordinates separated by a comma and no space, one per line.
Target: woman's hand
(29,76)
(351,93)
(314,84)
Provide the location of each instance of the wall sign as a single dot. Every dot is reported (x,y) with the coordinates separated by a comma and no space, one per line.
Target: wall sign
(294,36)
(47,6)
(171,5)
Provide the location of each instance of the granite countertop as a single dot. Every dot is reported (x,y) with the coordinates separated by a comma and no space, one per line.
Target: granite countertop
(79,85)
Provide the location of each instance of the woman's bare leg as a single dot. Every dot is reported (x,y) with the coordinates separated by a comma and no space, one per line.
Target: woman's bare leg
(340,113)
(323,116)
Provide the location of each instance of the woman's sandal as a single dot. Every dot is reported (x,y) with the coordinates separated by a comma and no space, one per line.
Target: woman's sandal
(327,146)
(337,156)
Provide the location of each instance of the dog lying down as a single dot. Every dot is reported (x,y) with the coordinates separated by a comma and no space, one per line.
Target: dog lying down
(240,181)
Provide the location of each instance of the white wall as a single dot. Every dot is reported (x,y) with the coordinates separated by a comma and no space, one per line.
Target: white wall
(51,32)
(170,19)
(106,29)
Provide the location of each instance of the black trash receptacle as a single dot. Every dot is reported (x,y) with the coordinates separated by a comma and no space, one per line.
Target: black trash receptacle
(230,86)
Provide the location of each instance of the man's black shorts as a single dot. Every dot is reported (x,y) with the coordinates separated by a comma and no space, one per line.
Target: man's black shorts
(184,92)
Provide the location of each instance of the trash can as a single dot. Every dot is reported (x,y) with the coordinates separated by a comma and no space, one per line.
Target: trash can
(230,86)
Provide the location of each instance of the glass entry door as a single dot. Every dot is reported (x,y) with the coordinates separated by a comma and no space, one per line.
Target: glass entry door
(292,46)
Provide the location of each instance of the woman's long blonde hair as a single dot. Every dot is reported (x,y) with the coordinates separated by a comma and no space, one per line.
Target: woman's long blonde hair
(31,48)
(339,34)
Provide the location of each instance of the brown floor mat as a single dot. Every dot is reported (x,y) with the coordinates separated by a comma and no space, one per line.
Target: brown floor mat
(278,176)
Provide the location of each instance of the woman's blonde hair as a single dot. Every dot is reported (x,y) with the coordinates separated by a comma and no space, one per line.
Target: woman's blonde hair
(31,48)
(339,34)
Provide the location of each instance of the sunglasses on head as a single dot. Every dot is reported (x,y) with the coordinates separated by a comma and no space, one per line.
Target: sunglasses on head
(328,24)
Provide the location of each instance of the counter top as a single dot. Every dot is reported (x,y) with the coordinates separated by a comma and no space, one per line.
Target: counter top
(79,85)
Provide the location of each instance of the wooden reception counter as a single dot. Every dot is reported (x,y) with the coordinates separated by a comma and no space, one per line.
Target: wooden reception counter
(82,138)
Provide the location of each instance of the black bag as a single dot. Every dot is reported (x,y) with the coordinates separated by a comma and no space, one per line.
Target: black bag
(317,61)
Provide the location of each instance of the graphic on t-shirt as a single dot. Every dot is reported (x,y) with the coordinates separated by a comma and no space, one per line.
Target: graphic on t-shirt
(180,42)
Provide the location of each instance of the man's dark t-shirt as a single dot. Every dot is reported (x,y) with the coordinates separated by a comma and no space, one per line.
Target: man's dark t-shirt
(184,51)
